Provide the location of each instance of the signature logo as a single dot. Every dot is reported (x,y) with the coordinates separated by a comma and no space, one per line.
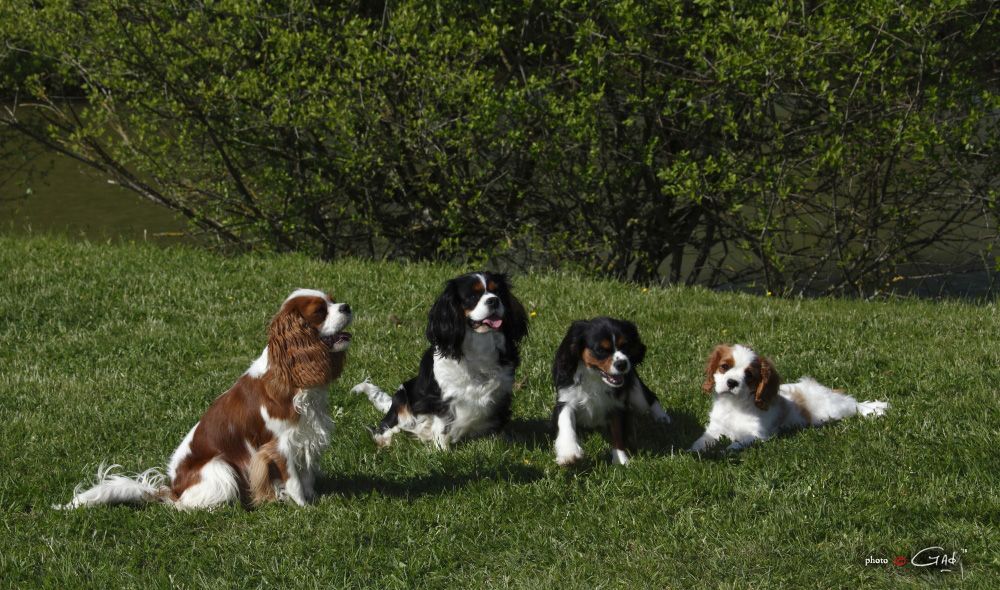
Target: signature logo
(933,558)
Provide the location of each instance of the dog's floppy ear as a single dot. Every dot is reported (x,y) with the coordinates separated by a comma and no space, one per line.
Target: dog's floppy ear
(568,355)
(515,321)
(296,357)
(638,348)
(446,322)
(767,389)
(712,366)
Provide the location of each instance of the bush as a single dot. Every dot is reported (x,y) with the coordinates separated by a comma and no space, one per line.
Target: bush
(795,146)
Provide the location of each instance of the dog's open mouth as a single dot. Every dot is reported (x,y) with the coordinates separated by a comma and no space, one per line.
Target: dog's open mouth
(337,342)
(491,323)
(613,380)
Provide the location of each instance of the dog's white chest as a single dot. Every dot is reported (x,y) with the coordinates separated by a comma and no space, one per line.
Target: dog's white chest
(303,440)
(737,418)
(590,399)
(477,376)
(475,382)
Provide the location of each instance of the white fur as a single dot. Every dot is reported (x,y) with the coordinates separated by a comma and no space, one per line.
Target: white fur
(735,416)
(382,402)
(589,397)
(217,485)
(588,403)
(306,293)
(300,443)
(568,449)
(259,366)
(638,402)
(472,384)
(113,488)
(380,399)
(618,357)
(482,311)
(619,457)
(182,451)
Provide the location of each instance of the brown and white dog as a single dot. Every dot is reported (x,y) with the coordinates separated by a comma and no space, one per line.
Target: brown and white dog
(751,403)
(262,439)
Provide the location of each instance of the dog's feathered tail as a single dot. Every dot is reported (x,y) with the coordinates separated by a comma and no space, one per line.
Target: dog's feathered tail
(380,399)
(115,488)
(872,408)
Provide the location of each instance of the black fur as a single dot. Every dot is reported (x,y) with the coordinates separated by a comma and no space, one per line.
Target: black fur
(591,335)
(587,334)
(447,326)
(446,322)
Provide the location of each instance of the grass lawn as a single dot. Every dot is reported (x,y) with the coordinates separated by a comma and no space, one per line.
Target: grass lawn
(113,352)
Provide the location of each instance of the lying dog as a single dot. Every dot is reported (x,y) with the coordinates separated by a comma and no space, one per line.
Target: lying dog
(751,403)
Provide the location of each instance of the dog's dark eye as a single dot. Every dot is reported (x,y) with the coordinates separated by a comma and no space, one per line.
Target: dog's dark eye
(749,375)
(724,367)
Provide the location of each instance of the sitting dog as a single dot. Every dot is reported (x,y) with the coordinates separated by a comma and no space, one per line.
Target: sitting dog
(262,439)
(465,380)
(597,384)
(751,403)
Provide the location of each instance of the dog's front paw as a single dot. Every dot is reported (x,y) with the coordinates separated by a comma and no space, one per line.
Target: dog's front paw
(619,457)
(569,455)
(739,445)
(702,444)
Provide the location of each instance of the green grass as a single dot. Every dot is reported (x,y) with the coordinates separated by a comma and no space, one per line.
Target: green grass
(112,353)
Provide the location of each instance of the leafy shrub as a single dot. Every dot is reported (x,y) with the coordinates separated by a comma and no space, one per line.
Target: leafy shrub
(797,146)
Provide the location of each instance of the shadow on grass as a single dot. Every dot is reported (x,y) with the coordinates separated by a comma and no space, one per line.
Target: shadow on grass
(648,437)
(535,434)
(424,485)
(720,451)
(657,439)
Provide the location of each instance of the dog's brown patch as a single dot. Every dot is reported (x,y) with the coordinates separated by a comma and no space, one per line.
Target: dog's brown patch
(722,355)
(800,402)
(592,361)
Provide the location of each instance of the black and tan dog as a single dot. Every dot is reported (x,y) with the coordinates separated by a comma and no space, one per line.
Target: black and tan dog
(597,385)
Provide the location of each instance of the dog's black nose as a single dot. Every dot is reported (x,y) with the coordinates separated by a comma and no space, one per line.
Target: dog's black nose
(492,302)
(621,365)
(732,383)
(345,309)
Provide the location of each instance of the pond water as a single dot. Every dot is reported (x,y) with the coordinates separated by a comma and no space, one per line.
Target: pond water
(71,198)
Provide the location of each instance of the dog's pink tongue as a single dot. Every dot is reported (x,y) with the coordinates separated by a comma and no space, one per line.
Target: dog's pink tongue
(494,323)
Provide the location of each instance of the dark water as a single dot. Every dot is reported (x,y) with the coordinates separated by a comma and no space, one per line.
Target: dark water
(70,198)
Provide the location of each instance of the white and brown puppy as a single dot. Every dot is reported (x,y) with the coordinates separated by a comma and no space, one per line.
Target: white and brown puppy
(597,385)
(751,403)
(262,439)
